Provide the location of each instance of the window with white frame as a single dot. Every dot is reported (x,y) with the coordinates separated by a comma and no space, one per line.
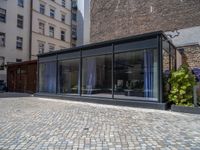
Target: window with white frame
(62,37)
(19,43)
(2,39)
(52,13)
(2,15)
(63,18)
(51,31)
(41,28)
(51,47)
(42,8)
(20,20)
(41,47)
(63,3)
(21,3)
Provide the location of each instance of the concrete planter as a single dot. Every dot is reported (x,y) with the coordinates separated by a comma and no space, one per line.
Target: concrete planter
(185,109)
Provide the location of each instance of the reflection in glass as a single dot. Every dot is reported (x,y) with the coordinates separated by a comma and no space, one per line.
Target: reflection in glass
(136,75)
(97,76)
(69,76)
(173,58)
(166,63)
(47,77)
(166,57)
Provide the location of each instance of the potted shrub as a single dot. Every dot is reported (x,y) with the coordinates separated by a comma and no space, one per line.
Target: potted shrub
(182,82)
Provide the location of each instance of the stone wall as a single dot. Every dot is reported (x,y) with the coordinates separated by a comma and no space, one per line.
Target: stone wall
(191,56)
(112,19)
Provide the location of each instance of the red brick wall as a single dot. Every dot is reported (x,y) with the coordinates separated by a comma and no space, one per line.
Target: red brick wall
(112,19)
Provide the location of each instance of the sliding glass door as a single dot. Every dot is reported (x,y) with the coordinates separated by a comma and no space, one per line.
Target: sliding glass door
(97,76)
(68,79)
(47,77)
(136,75)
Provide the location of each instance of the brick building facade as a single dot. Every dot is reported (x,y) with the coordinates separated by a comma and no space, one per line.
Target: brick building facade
(120,18)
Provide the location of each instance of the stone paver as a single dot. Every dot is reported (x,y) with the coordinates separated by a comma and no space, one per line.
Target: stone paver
(41,124)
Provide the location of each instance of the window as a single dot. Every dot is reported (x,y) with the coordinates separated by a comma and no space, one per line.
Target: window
(97,76)
(136,75)
(63,3)
(63,18)
(69,76)
(20,21)
(41,28)
(21,3)
(62,35)
(73,45)
(2,15)
(51,31)
(2,63)
(51,47)
(52,13)
(18,60)
(19,43)
(74,16)
(74,36)
(2,39)
(41,47)
(42,8)
(74,4)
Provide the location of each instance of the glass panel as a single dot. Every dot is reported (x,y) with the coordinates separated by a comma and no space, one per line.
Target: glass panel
(173,56)
(166,62)
(97,76)
(166,68)
(136,75)
(47,77)
(69,76)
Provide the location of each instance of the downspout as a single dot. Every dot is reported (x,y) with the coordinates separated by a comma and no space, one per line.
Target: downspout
(30,37)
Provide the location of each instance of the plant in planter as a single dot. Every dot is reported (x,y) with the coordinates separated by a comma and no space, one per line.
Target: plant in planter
(182,82)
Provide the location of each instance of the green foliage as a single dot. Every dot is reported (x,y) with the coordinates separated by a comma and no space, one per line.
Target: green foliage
(182,82)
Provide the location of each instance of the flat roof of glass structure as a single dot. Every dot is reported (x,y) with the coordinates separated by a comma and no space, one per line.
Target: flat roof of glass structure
(110,42)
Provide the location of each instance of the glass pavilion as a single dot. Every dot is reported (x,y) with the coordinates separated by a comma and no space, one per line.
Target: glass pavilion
(123,71)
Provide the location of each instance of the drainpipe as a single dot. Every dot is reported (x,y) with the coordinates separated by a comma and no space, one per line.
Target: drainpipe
(30,37)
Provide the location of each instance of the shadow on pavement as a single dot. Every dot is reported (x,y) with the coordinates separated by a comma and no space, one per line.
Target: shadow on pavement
(14,94)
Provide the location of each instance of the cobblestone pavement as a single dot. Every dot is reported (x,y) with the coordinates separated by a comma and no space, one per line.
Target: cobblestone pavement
(38,123)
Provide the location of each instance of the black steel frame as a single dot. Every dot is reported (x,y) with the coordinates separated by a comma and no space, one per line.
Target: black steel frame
(159,35)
